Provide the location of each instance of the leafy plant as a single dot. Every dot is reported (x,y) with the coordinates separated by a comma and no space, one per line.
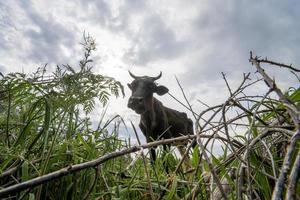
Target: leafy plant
(42,128)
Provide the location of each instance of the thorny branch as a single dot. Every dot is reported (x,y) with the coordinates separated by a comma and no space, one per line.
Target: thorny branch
(294,112)
(265,60)
(262,132)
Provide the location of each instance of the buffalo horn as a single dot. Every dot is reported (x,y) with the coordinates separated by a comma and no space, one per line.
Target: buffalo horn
(132,75)
(157,77)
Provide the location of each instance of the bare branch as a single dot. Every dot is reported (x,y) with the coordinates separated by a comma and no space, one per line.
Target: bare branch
(294,177)
(227,84)
(93,163)
(265,60)
(294,112)
(279,187)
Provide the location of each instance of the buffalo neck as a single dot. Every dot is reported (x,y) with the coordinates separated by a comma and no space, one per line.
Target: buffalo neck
(149,118)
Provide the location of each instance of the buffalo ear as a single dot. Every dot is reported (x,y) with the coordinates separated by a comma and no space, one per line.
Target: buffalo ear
(161,90)
(129,85)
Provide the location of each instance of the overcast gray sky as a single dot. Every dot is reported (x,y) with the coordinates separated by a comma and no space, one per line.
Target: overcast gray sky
(195,40)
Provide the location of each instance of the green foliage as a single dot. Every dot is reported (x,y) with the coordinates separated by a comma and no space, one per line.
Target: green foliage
(42,128)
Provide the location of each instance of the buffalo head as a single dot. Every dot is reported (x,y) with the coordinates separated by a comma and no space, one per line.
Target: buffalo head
(142,88)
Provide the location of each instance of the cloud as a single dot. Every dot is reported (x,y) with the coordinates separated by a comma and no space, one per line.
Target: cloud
(111,15)
(97,11)
(2,68)
(154,41)
(31,37)
(225,33)
(195,40)
(5,24)
(267,28)
(47,37)
(149,35)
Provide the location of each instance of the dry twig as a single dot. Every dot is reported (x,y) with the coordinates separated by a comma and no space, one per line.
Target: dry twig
(294,112)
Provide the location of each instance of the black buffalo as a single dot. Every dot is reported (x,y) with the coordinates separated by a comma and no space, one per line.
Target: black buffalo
(157,121)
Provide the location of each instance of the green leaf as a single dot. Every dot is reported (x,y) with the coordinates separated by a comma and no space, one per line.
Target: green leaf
(172,191)
(31,196)
(25,171)
(195,156)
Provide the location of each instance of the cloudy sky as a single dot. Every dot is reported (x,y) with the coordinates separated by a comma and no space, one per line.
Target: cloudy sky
(194,40)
